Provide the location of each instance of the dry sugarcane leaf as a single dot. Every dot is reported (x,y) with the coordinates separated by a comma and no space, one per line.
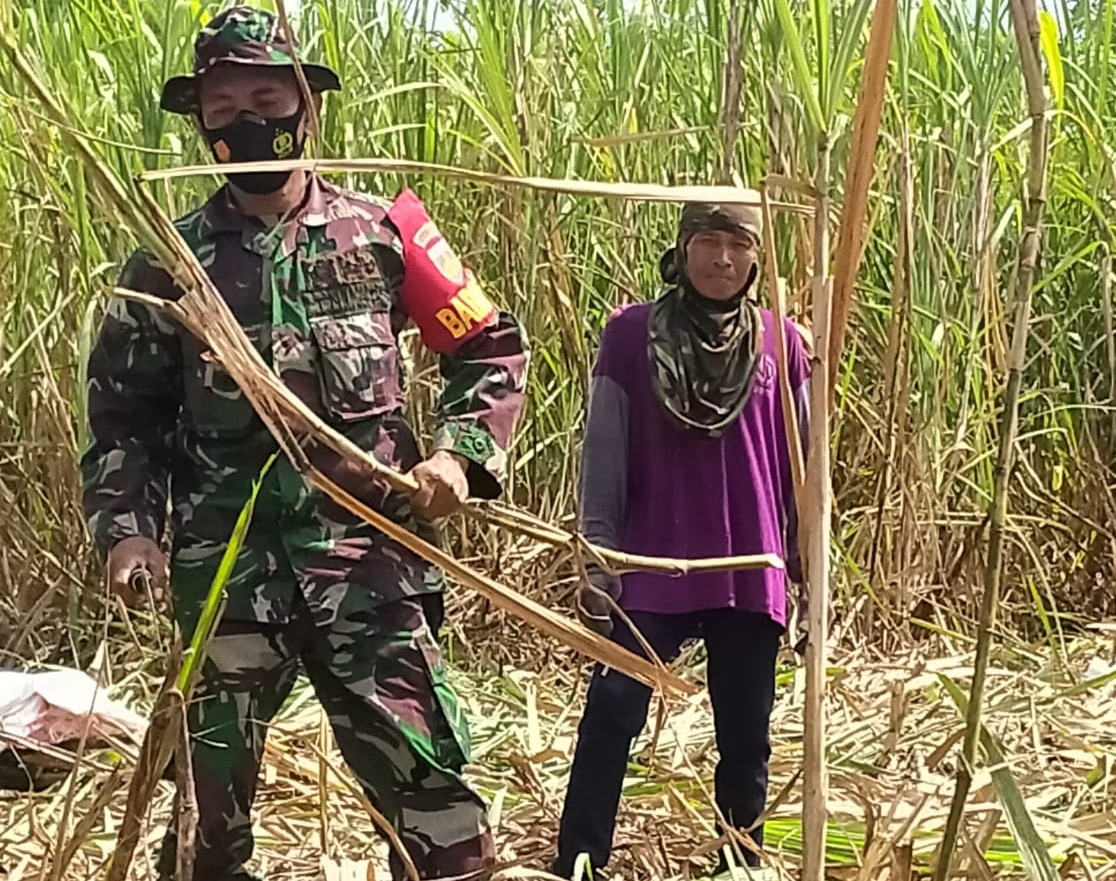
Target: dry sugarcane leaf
(566,186)
(852,229)
(561,628)
(158,746)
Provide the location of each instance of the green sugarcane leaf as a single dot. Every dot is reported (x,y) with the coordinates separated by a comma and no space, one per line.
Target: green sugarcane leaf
(1032,849)
(804,79)
(215,600)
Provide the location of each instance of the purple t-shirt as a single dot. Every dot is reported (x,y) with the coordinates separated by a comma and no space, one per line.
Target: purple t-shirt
(652,486)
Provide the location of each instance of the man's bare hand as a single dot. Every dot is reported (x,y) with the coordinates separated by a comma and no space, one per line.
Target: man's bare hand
(128,560)
(592,605)
(443,487)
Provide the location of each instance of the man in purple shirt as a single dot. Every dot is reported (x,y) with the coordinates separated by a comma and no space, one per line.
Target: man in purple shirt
(685,455)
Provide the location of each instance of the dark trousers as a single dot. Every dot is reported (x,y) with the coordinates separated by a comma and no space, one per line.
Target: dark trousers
(741,649)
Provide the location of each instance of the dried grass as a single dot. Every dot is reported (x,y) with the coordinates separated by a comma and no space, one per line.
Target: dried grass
(892,737)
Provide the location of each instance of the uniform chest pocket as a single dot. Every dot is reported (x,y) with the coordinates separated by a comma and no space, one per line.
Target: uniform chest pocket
(216,407)
(358,365)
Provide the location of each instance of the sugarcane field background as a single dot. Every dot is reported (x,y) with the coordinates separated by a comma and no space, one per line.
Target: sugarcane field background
(670,93)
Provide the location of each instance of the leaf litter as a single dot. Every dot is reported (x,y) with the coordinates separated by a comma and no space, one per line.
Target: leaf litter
(894,736)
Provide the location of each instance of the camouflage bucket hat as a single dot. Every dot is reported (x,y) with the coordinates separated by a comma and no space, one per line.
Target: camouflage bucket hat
(240,35)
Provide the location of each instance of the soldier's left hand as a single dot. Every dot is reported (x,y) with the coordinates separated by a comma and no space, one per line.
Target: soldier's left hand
(443,487)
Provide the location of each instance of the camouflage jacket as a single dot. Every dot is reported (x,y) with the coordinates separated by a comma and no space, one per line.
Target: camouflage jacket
(319,297)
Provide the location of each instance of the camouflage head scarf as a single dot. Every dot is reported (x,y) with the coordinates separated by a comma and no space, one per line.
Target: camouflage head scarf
(704,352)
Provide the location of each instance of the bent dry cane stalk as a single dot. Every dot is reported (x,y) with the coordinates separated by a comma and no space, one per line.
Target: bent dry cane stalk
(1024,19)
(853,226)
(378,820)
(279,409)
(816,529)
(294,424)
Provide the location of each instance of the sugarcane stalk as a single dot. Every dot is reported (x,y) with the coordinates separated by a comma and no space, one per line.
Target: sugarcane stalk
(895,356)
(816,514)
(186,801)
(300,74)
(786,399)
(1024,19)
(779,310)
(730,96)
(830,314)
(378,819)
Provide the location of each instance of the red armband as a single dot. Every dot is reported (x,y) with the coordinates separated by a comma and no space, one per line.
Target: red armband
(439,294)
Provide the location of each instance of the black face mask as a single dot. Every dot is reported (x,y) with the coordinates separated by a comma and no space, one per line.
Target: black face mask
(253,138)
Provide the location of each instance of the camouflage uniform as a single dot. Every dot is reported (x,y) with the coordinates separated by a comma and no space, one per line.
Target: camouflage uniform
(319,297)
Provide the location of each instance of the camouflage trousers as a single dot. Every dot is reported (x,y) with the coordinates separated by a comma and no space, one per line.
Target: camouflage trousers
(380,678)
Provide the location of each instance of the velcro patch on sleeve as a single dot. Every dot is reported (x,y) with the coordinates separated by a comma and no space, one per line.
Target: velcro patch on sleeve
(439,294)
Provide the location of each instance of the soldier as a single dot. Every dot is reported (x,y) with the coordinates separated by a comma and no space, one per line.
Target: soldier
(322,280)
(685,455)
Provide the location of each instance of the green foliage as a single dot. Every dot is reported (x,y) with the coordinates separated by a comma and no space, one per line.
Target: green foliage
(631,91)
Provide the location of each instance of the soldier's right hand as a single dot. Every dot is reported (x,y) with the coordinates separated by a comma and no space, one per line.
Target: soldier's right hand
(128,561)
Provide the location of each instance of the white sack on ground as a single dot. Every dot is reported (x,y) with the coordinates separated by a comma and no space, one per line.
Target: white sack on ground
(53,706)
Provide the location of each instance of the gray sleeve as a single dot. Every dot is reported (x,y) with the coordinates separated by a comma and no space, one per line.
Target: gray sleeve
(604,463)
(802,411)
(793,552)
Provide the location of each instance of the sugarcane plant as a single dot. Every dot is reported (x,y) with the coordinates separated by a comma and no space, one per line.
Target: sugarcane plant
(1026,24)
(820,90)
